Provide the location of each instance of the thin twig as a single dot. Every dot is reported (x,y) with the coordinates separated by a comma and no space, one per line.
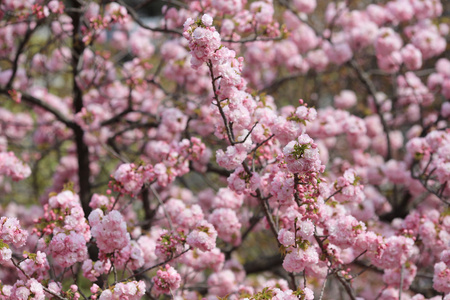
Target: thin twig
(401,282)
(156,266)
(365,79)
(169,219)
(322,291)
(43,287)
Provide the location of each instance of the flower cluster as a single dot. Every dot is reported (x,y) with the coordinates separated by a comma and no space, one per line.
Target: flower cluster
(214,169)
(109,231)
(133,290)
(203,236)
(12,167)
(67,249)
(166,280)
(11,232)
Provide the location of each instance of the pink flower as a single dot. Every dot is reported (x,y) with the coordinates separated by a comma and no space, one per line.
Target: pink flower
(428,41)
(400,10)
(391,62)
(200,260)
(203,236)
(412,57)
(306,6)
(338,53)
(441,278)
(231,159)
(11,233)
(263,12)
(302,155)
(67,249)
(398,250)
(227,224)
(35,266)
(230,7)
(207,20)
(12,167)
(282,187)
(344,231)
(286,237)
(345,99)
(128,178)
(227,198)
(297,259)
(110,231)
(222,283)
(166,280)
(31,288)
(5,255)
(387,42)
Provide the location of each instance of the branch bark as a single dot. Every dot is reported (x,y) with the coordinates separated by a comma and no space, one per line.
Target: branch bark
(45,106)
(84,171)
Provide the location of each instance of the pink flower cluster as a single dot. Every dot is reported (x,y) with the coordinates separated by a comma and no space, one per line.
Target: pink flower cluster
(170,244)
(344,231)
(30,289)
(203,236)
(129,178)
(381,202)
(93,270)
(297,258)
(440,80)
(240,182)
(109,231)
(66,207)
(67,249)
(441,278)
(234,156)
(184,216)
(434,148)
(349,187)
(201,260)
(11,232)
(203,40)
(35,266)
(302,156)
(166,280)
(133,290)
(12,167)
(397,251)
(227,224)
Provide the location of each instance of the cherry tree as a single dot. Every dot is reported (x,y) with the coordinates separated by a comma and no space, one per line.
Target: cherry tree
(230,149)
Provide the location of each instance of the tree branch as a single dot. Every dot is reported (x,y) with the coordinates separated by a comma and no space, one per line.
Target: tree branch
(365,79)
(136,18)
(45,106)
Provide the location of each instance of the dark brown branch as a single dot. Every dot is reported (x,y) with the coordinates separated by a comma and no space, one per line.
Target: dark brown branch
(263,264)
(136,18)
(148,212)
(222,114)
(84,171)
(213,169)
(22,44)
(117,118)
(45,106)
